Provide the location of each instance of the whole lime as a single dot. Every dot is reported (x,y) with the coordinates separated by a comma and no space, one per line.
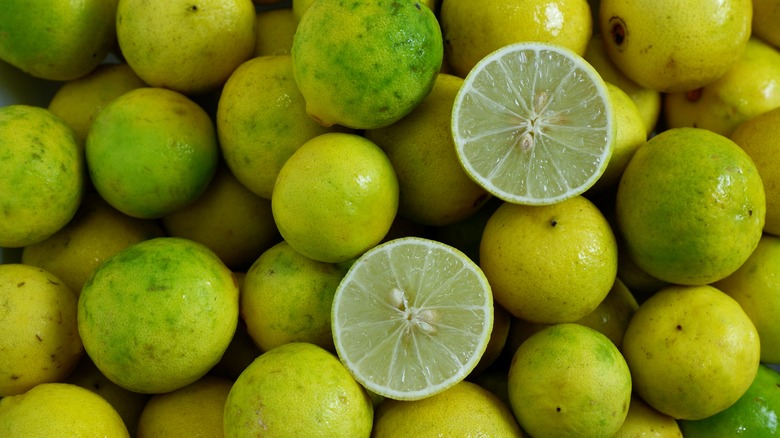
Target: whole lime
(151,152)
(690,206)
(159,314)
(366,64)
(42,172)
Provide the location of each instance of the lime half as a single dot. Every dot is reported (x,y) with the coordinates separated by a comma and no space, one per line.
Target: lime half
(412,318)
(533,124)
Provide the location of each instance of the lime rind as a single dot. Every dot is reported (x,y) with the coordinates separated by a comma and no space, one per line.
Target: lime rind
(411,318)
(533,124)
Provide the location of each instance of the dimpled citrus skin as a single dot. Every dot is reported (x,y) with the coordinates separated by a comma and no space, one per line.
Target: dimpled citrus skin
(335,197)
(692,351)
(674,45)
(690,206)
(59,409)
(42,174)
(297,389)
(56,40)
(366,64)
(159,314)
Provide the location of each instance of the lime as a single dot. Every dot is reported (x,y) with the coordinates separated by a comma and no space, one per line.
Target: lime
(43,174)
(287,297)
(690,206)
(411,318)
(644,421)
(188,47)
(57,40)
(674,45)
(59,409)
(192,411)
(473,29)
(692,351)
(297,389)
(466,409)
(533,124)
(335,197)
(766,15)
(365,64)
(549,263)
(38,319)
(755,414)
(568,380)
(151,152)
(756,287)
(275,31)
(159,314)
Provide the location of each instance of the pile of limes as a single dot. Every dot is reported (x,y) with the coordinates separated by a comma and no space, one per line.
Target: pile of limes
(390,218)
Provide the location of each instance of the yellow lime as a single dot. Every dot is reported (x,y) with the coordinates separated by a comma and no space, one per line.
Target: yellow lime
(335,197)
(40,340)
(569,380)
(748,88)
(57,40)
(434,189)
(498,336)
(690,206)
(96,232)
(80,100)
(188,47)
(647,100)
(261,120)
(365,64)
(412,318)
(158,315)
(612,315)
(195,410)
(756,287)
(151,152)
(552,263)
(692,351)
(645,422)
(533,123)
(287,297)
(466,409)
(758,138)
(675,45)
(473,29)
(275,31)
(43,174)
(128,404)
(297,389)
(766,15)
(59,409)
(630,135)
(755,414)
(229,219)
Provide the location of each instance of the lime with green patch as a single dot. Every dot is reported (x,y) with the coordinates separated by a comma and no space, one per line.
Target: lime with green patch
(151,152)
(287,297)
(690,206)
(366,64)
(57,40)
(755,414)
(569,380)
(158,315)
(43,175)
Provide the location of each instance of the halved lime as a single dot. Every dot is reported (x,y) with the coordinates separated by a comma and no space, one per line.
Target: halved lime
(533,124)
(412,318)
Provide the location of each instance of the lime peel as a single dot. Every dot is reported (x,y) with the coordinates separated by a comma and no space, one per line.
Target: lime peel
(411,318)
(533,124)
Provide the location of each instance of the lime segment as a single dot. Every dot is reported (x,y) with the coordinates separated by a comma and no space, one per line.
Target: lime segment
(533,124)
(412,318)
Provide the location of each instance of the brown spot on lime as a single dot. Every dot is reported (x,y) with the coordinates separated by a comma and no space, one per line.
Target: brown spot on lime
(617,30)
(693,95)
(20,284)
(553,222)
(558,409)
(15,377)
(193,8)
(38,337)
(679,328)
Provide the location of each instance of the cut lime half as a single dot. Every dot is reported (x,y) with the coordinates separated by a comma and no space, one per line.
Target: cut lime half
(411,318)
(533,124)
